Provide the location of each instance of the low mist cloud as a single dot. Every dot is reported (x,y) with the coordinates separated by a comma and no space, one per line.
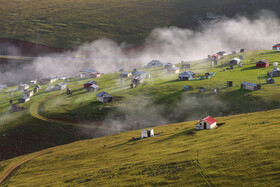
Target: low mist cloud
(167,44)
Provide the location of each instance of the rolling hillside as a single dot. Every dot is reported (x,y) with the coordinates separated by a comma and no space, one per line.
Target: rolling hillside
(53,118)
(68,24)
(242,151)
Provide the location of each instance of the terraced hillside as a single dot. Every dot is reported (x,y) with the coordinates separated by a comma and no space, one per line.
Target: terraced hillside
(242,151)
(67,24)
(53,118)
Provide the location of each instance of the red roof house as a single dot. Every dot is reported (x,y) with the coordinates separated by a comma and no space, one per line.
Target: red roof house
(262,63)
(206,123)
(89,83)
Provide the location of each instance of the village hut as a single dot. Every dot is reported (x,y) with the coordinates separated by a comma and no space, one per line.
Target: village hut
(234,61)
(262,63)
(240,64)
(69,91)
(187,75)
(229,83)
(270,81)
(202,89)
(206,123)
(16,108)
(169,65)
(185,66)
(89,83)
(36,89)
(94,75)
(126,75)
(274,73)
(276,47)
(48,80)
(187,88)
(136,81)
(92,88)
(216,57)
(23,87)
(23,99)
(233,52)
(104,97)
(140,74)
(60,86)
(147,133)
(242,50)
(154,63)
(33,82)
(173,70)
(222,53)
(241,57)
(27,93)
(250,86)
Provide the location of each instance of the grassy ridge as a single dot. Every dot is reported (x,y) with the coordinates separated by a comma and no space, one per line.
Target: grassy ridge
(68,24)
(242,152)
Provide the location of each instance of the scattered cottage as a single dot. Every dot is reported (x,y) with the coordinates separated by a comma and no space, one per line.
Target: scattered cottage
(234,61)
(229,83)
(60,86)
(185,66)
(202,89)
(27,93)
(92,88)
(48,80)
(136,81)
(126,74)
(16,108)
(206,123)
(89,73)
(187,75)
(23,87)
(154,63)
(222,53)
(274,73)
(233,52)
(270,81)
(242,50)
(173,70)
(250,86)
(276,47)
(140,74)
(241,57)
(33,81)
(94,75)
(169,65)
(89,83)
(187,88)
(216,57)
(24,99)
(262,63)
(104,97)
(147,133)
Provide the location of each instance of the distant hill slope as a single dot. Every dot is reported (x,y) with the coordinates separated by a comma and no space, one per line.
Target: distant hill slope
(15,47)
(242,151)
(67,24)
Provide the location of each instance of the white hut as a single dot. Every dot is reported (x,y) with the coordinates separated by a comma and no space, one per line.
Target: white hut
(60,86)
(206,123)
(23,87)
(147,133)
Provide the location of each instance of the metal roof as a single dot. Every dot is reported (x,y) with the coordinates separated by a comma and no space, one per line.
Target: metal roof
(249,84)
(103,94)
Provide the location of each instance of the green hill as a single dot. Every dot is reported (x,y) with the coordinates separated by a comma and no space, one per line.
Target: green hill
(68,24)
(244,151)
(53,118)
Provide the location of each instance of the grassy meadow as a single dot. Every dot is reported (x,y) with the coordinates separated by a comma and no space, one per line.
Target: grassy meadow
(242,151)
(68,24)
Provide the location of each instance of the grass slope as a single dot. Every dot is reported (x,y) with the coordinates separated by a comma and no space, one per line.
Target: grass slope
(54,118)
(242,152)
(67,24)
